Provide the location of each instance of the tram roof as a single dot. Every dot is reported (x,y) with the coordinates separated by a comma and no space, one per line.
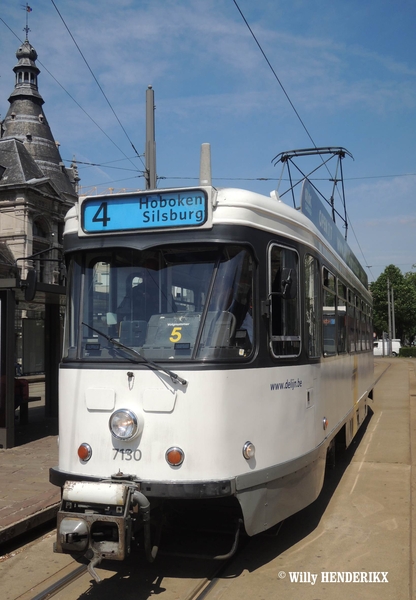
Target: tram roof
(311,224)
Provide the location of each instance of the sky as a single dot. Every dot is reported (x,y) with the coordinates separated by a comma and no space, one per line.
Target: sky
(310,73)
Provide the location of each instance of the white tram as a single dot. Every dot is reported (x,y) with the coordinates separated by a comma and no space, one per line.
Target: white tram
(217,342)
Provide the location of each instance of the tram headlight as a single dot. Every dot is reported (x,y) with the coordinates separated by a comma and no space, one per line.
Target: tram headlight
(124,424)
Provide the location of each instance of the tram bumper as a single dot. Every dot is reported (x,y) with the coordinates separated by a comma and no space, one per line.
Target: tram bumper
(95,520)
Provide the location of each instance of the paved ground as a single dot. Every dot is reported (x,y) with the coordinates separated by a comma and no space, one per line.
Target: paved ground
(27,499)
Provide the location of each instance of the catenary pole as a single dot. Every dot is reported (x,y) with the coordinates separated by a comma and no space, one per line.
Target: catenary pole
(150,150)
(389,316)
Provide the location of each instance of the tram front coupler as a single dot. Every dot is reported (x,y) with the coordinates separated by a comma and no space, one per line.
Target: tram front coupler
(96,521)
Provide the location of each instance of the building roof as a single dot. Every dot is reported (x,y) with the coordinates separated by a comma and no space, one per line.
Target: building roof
(19,164)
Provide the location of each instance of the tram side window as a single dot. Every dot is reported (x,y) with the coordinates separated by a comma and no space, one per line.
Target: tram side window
(358,324)
(72,310)
(342,317)
(312,306)
(284,301)
(351,321)
(363,327)
(329,313)
(368,325)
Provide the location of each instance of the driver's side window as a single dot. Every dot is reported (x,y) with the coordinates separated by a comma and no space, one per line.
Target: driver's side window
(284,301)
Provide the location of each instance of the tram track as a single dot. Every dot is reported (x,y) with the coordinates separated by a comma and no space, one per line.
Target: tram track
(189,564)
(199,592)
(60,582)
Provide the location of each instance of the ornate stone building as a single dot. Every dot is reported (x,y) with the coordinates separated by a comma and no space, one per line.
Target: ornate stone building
(36,191)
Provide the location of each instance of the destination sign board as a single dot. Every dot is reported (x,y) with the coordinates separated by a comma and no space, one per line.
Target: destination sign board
(141,211)
(313,208)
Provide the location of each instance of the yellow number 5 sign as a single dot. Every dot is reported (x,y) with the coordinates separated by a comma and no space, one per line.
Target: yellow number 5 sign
(175,335)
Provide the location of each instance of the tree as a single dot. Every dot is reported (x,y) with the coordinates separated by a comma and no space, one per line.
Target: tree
(404,291)
(411,280)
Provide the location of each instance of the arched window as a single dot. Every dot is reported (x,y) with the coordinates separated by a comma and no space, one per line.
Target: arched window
(39,230)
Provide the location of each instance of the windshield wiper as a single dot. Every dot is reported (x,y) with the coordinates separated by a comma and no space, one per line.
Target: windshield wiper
(174,376)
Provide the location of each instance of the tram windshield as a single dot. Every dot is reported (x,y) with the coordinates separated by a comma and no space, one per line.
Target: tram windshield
(169,304)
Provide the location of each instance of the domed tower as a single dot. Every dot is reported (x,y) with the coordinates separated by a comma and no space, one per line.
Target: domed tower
(36,190)
(25,121)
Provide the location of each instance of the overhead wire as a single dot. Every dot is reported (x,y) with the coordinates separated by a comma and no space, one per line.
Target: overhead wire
(186,178)
(279,82)
(106,165)
(96,81)
(17,218)
(88,115)
(287,96)
(72,98)
(275,74)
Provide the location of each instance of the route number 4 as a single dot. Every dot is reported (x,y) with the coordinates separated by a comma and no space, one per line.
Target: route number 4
(101,216)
